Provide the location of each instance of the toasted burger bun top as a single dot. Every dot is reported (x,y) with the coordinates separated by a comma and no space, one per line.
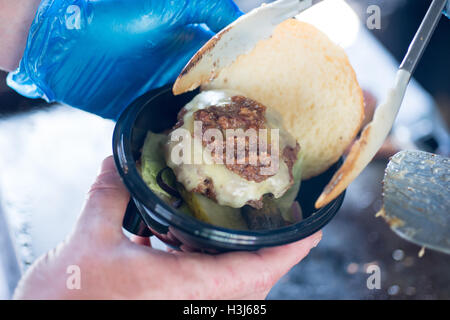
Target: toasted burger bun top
(309,80)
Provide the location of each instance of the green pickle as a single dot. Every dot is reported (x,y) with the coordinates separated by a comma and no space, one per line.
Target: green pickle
(209,211)
(152,162)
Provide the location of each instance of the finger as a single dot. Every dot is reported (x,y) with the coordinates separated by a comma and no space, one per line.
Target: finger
(240,274)
(256,296)
(279,260)
(218,14)
(143,241)
(106,201)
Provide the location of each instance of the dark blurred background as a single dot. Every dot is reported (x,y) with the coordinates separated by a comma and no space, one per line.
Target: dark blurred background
(355,238)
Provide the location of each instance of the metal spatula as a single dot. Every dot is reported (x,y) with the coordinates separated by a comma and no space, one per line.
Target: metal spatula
(416,198)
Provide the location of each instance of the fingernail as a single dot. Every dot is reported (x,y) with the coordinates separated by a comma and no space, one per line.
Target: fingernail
(317,240)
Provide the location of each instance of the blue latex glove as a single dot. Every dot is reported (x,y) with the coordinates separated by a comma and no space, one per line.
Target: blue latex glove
(100,55)
(447,9)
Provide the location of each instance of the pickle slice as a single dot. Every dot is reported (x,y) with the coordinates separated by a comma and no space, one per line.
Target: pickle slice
(152,162)
(210,212)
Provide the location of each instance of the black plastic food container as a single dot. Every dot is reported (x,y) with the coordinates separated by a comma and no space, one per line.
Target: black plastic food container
(147,214)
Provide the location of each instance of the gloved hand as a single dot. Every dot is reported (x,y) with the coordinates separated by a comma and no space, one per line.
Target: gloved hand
(100,55)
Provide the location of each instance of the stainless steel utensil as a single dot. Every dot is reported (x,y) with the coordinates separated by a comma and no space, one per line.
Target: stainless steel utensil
(416,198)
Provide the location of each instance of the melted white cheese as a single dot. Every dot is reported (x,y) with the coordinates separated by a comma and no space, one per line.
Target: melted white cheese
(230,188)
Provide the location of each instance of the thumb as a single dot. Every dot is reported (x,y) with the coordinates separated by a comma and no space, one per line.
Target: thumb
(106,201)
(218,14)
